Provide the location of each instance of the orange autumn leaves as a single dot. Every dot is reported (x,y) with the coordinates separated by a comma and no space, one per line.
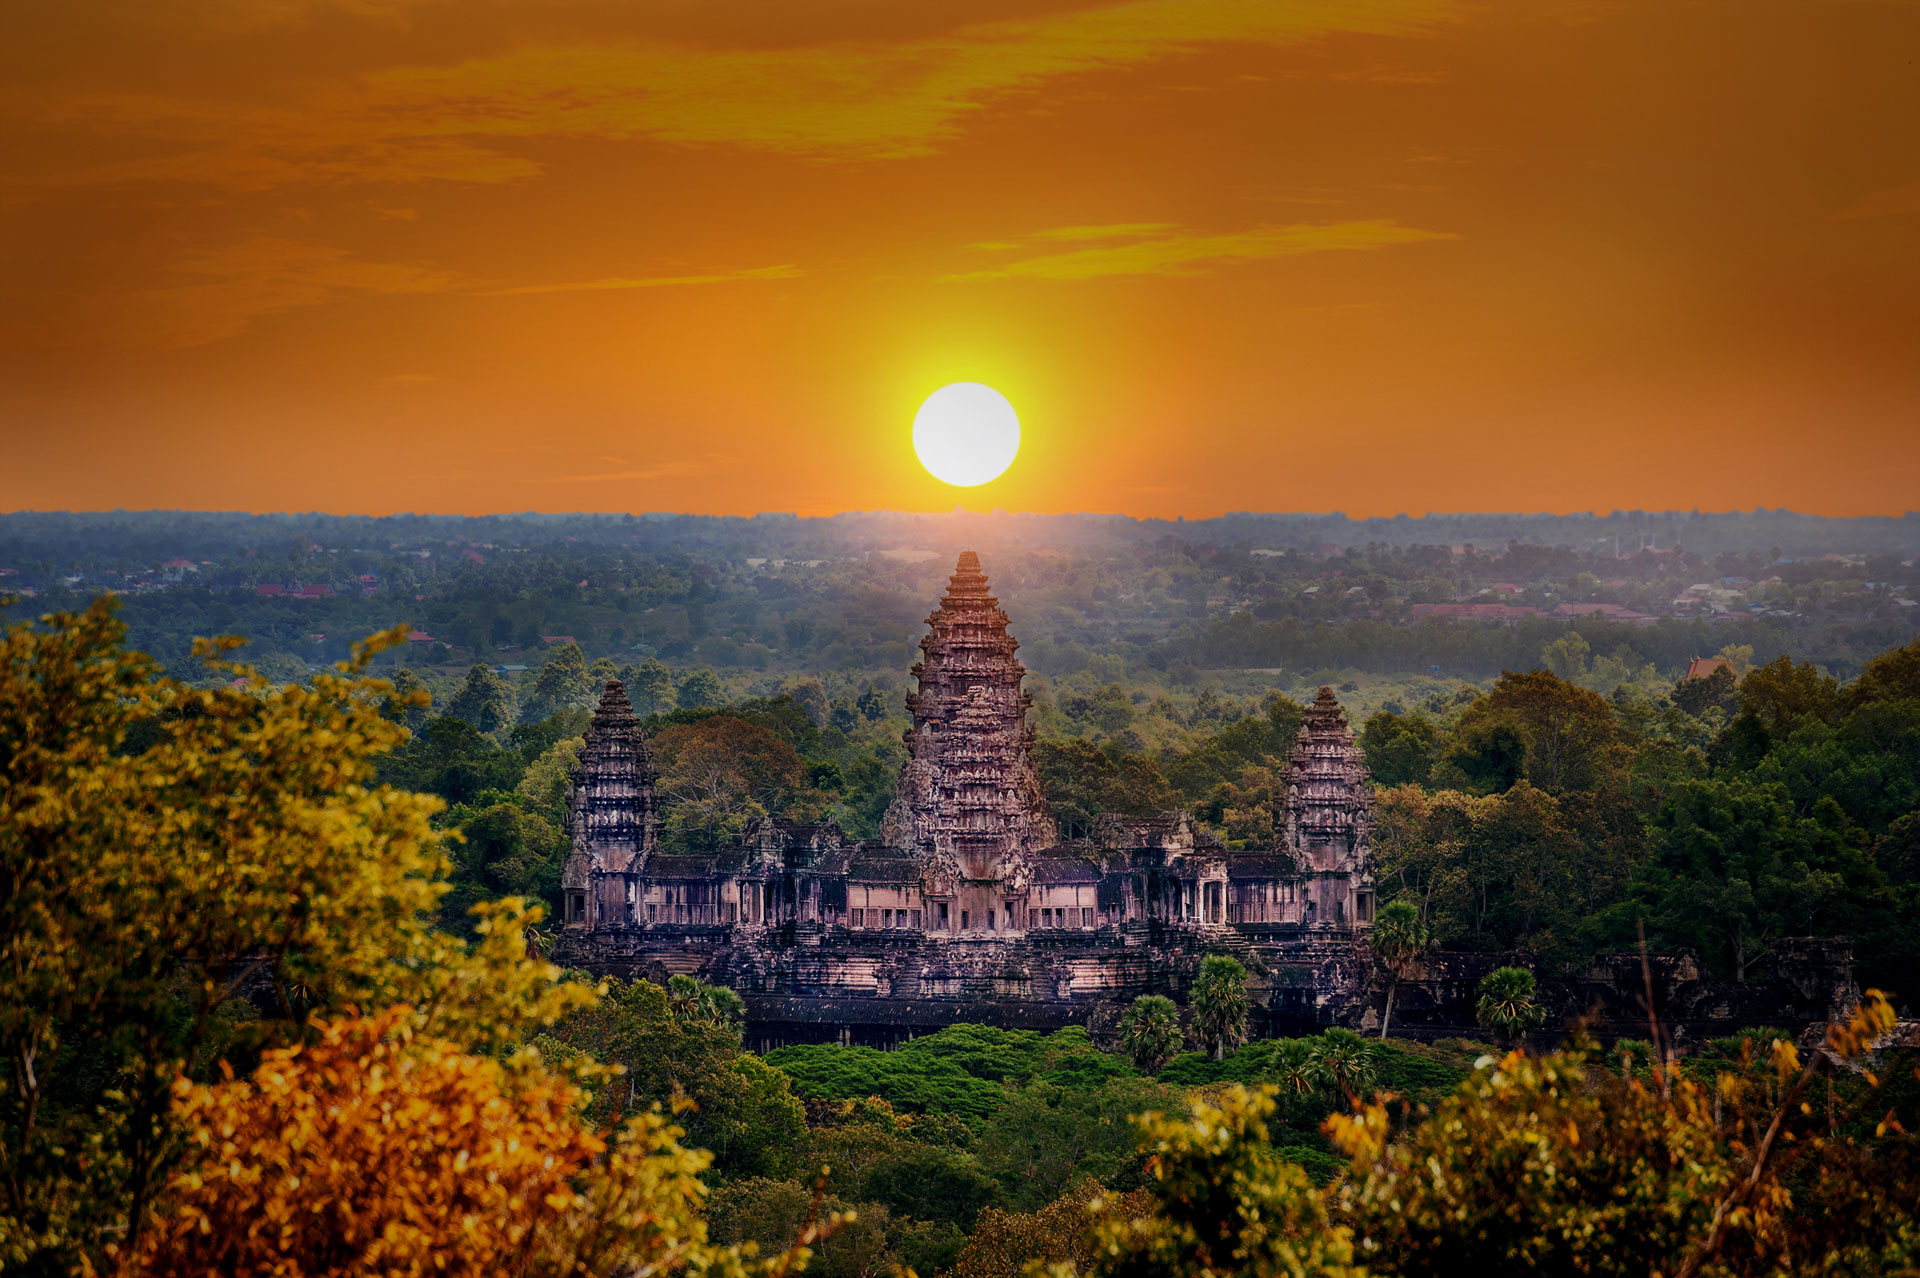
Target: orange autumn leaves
(370,1151)
(374,1149)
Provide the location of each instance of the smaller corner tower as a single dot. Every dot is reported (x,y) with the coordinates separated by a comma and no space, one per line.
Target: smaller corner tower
(613,812)
(1328,821)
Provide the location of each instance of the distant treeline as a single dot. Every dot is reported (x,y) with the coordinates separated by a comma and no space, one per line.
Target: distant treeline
(1478,650)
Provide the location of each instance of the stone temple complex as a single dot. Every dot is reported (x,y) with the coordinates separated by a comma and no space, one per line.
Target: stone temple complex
(970,906)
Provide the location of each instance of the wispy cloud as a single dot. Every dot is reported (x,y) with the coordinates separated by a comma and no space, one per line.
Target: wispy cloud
(785,271)
(1112,231)
(1171,251)
(227,288)
(471,121)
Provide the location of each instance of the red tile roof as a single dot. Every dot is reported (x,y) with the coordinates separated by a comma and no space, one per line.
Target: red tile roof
(1479,611)
(1701,667)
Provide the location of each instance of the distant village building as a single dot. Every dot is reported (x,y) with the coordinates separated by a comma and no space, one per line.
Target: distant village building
(1701,668)
(970,905)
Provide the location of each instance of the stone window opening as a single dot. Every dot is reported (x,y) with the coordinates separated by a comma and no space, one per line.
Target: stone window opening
(944,923)
(1086,916)
(964,924)
(859,917)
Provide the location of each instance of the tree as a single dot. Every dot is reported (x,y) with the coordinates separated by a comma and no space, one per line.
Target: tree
(1567,656)
(484,702)
(1223,1200)
(721,772)
(338,1157)
(1734,867)
(1003,1244)
(1699,694)
(504,850)
(1220,1004)
(543,787)
(1781,694)
(1343,1063)
(1506,1003)
(1548,1165)
(681,1045)
(701,690)
(872,706)
(1569,733)
(1397,941)
(1486,757)
(564,684)
(1892,676)
(164,846)
(1082,780)
(767,1213)
(1047,1134)
(411,701)
(453,759)
(374,1149)
(1150,1032)
(651,687)
(810,695)
(694,1003)
(1399,748)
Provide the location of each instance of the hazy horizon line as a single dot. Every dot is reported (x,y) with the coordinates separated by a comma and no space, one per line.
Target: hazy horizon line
(959,513)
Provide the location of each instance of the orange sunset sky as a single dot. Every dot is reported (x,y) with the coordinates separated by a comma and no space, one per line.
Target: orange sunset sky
(708,255)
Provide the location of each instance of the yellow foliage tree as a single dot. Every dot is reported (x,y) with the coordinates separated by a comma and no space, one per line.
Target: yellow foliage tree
(1004,1244)
(1537,1165)
(377,1150)
(165,847)
(1222,1200)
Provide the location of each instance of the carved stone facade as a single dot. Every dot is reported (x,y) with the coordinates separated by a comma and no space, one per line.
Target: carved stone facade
(970,905)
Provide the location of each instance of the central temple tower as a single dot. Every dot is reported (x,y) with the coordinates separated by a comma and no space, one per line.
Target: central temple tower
(969,807)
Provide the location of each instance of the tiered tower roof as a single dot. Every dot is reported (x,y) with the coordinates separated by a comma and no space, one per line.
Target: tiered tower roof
(969,802)
(1327,797)
(613,813)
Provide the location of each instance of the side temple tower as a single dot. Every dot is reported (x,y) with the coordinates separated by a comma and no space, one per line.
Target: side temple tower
(969,809)
(613,814)
(1328,812)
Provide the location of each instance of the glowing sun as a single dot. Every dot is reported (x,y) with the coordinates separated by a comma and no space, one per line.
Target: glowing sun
(966,434)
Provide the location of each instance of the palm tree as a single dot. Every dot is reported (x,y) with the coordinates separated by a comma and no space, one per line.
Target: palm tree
(1506,1004)
(693,1003)
(1343,1062)
(1150,1032)
(1398,938)
(1295,1068)
(683,994)
(1220,1005)
(718,1005)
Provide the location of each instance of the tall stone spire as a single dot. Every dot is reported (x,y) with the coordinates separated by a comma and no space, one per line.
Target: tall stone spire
(613,814)
(969,804)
